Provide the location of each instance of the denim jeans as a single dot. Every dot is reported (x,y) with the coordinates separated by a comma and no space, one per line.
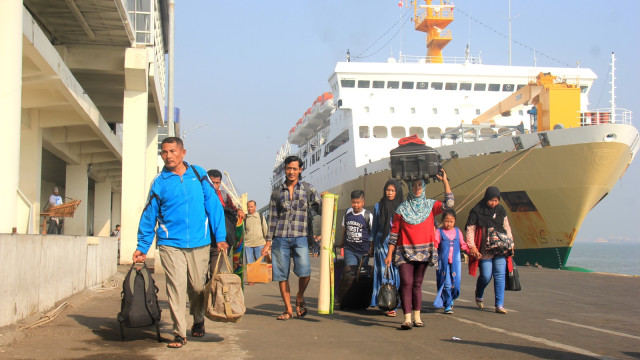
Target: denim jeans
(353,259)
(253,253)
(496,267)
(282,250)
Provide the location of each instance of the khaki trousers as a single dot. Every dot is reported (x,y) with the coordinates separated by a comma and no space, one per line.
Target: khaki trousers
(186,272)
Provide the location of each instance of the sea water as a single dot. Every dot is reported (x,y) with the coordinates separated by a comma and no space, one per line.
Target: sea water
(606,257)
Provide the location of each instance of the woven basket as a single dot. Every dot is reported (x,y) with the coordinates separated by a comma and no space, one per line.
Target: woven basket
(64,210)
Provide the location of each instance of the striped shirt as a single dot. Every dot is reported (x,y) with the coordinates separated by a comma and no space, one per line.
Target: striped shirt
(288,218)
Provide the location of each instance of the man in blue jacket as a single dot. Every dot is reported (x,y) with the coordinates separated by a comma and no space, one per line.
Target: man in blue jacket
(185,207)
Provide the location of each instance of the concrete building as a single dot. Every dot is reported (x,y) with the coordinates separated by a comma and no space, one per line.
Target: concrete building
(83,92)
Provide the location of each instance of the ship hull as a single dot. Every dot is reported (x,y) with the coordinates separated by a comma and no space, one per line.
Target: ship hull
(548,191)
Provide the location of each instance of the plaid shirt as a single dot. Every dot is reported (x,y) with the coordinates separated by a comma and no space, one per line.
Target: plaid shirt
(288,218)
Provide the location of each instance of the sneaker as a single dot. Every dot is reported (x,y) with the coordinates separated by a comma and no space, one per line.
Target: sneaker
(480,303)
(448,310)
(501,310)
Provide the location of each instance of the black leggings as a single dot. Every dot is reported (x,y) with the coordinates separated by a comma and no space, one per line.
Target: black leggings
(411,276)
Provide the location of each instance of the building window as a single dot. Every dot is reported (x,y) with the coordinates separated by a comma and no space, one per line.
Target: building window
(435,111)
(347,83)
(380,132)
(422,85)
(378,84)
(393,84)
(407,85)
(364,132)
(398,132)
(413,110)
(139,13)
(436,85)
(418,130)
(465,86)
(479,87)
(451,86)
(494,87)
(363,84)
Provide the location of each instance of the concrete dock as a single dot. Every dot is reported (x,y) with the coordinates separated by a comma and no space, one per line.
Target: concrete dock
(557,315)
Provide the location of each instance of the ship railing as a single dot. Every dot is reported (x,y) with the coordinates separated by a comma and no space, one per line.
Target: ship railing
(445,59)
(476,132)
(605,116)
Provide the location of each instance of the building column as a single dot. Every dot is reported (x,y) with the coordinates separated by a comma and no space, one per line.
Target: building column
(134,149)
(10,103)
(31,170)
(116,206)
(102,209)
(77,188)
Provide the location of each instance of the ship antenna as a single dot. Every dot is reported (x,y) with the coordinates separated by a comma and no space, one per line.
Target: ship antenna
(509,32)
(613,87)
(348,56)
(535,60)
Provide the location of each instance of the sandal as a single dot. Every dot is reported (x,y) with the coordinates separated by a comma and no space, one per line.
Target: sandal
(177,342)
(418,324)
(406,326)
(391,313)
(301,310)
(285,316)
(197,330)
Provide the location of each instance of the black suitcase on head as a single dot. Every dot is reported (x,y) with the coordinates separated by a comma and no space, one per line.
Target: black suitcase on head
(356,287)
(414,161)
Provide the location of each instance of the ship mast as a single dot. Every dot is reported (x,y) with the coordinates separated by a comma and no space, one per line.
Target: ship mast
(613,87)
(432,19)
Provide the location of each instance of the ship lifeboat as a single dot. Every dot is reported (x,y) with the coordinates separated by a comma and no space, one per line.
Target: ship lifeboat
(320,111)
(291,135)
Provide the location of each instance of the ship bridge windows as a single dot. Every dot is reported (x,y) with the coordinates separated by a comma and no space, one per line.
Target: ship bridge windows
(436,85)
(398,132)
(339,140)
(479,87)
(422,85)
(465,86)
(363,84)
(451,86)
(520,86)
(418,130)
(393,84)
(345,83)
(380,132)
(508,87)
(494,87)
(435,111)
(584,89)
(518,201)
(407,85)
(378,84)
(363,132)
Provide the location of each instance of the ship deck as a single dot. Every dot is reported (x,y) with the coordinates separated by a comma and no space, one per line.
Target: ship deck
(558,315)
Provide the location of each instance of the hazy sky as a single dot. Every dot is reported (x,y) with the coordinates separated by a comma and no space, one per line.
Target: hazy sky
(249,70)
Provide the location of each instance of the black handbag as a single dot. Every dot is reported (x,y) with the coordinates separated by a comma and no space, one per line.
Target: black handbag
(388,296)
(513,280)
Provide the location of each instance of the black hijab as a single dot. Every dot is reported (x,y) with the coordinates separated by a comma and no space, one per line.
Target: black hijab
(486,217)
(388,207)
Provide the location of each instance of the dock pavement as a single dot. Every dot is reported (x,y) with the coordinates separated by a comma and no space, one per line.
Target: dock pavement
(557,315)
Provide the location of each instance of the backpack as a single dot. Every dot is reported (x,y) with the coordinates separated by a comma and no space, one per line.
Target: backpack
(139,306)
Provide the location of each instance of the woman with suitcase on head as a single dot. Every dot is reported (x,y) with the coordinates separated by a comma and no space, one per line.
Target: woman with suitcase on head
(382,216)
(412,237)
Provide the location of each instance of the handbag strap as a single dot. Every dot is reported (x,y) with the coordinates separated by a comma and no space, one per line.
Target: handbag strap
(259,259)
(387,273)
(222,254)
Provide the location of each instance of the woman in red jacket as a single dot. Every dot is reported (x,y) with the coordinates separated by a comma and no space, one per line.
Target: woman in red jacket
(412,237)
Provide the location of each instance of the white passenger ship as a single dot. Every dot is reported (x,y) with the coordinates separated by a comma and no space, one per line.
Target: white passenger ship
(526,130)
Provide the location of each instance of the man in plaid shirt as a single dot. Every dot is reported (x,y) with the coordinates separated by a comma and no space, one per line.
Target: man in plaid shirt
(287,235)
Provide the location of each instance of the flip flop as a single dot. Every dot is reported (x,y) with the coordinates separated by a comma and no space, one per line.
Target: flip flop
(197,330)
(177,342)
(285,316)
(301,310)
(406,325)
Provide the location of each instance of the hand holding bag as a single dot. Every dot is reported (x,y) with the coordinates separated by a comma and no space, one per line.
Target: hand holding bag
(388,297)
(223,296)
(513,280)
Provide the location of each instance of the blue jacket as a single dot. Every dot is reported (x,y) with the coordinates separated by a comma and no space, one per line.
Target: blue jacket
(184,208)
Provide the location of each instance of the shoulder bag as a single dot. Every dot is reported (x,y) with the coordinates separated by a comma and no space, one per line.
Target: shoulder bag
(223,296)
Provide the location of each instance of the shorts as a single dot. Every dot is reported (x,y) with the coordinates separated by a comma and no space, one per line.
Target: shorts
(283,249)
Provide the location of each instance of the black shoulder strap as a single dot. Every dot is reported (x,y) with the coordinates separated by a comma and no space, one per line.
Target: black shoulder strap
(367,220)
(151,290)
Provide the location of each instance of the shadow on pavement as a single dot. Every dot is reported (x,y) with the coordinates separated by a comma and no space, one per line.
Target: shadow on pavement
(542,353)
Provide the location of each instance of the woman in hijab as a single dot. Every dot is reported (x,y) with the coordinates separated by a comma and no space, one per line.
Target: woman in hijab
(412,236)
(486,216)
(382,216)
